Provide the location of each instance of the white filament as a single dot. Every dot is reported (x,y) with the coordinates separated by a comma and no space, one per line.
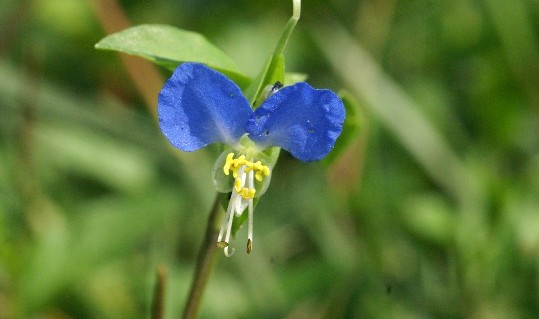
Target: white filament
(250,181)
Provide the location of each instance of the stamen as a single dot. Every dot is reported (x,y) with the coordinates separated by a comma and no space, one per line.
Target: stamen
(222,244)
(229,254)
(249,167)
(233,199)
(227,223)
(237,185)
(244,173)
(235,166)
(229,161)
(240,161)
(250,183)
(247,193)
(259,176)
(240,203)
(223,225)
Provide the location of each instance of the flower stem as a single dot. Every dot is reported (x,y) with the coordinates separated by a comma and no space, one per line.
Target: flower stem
(158,303)
(205,263)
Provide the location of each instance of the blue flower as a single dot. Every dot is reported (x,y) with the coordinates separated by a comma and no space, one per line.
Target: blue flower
(199,106)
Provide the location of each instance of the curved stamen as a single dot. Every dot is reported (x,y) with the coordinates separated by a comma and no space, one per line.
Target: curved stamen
(223,227)
(233,200)
(227,253)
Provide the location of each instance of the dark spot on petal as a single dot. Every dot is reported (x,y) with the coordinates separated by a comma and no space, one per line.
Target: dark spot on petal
(266,132)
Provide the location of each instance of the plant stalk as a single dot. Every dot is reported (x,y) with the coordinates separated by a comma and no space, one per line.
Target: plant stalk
(205,263)
(158,302)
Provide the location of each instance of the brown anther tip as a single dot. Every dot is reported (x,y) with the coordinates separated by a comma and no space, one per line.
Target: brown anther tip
(222,244)
(249,246)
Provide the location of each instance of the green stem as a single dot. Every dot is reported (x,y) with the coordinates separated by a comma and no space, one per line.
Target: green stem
(205,263)
(290,25)
(274,68)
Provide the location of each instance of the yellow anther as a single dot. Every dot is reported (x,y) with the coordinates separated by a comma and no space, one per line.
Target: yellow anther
(250,167)
(249,245)
(247,193)
(229,161)
(237,185)
(234,165)
(258,176)
(240,161)
(222,244)
(262,168)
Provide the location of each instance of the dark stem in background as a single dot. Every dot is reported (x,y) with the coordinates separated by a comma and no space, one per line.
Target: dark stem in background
(205,263)
(144,74)
(13,26)
(26,182)
(158,302)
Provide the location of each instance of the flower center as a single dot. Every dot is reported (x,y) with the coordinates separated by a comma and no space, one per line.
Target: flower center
(235,164)
(244,172)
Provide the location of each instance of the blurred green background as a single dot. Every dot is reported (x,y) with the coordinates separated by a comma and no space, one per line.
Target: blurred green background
(432,212)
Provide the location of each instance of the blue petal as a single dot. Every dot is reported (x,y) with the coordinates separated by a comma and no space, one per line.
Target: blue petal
(304,121)
(199,106)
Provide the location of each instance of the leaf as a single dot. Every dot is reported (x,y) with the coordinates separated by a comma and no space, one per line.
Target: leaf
(272,72)
(274,68)
(169,46)
(351,127)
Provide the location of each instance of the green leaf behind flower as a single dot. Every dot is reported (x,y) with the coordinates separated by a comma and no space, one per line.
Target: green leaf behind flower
(169,46)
